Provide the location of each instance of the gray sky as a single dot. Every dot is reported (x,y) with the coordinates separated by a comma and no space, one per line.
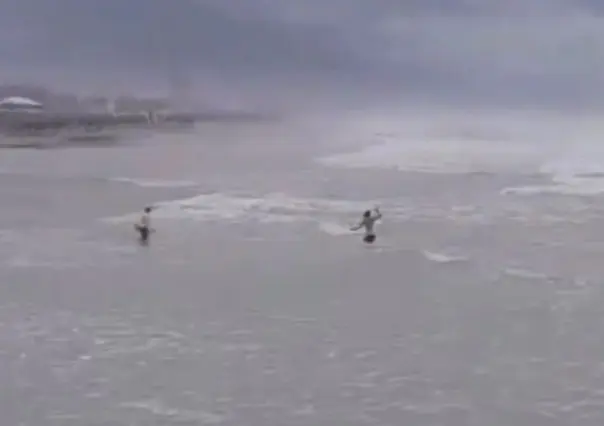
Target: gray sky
(486,51)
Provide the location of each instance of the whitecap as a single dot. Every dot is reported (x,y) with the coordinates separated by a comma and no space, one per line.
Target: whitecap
(158,408)
(575,170)
(436,156)
(334,229)
(572,186)
(440,257)
(155,183)
(525,273)
(267,208)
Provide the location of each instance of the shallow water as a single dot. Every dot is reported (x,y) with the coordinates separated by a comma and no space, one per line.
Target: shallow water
(254,305)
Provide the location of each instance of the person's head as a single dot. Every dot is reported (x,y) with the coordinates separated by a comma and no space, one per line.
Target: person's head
(147,209)
(367,213)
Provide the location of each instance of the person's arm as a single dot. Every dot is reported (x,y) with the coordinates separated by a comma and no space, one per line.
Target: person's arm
(357,227)
(378,214)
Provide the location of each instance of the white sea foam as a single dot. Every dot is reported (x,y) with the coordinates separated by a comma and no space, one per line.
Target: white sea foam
(274,206)
(433,155)
(440,257)
(159,408)
(581,173)
(331,216)
(155,183)
(566,147)
(334,228)
(575,164)
(525,273)
(578,187)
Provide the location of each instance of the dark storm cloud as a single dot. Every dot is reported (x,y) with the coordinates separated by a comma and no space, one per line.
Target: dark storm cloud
(147,33)
(548,50)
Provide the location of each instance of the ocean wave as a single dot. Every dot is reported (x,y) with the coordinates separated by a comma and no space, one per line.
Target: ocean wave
(575,171)
(437,156)
(332,216)
(154,183)
(441,257)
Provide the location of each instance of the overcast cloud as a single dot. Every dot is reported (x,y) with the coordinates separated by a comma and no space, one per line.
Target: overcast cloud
(488,51)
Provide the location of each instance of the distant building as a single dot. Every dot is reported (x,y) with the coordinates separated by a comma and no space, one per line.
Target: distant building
(19,104)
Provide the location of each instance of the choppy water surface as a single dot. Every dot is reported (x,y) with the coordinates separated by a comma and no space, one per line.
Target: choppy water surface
(480,304)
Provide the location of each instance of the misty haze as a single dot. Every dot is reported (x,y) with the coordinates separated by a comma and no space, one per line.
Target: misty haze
(259,132)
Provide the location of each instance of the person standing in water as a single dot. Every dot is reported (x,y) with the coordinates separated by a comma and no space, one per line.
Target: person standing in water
(144,226)
(368,221)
